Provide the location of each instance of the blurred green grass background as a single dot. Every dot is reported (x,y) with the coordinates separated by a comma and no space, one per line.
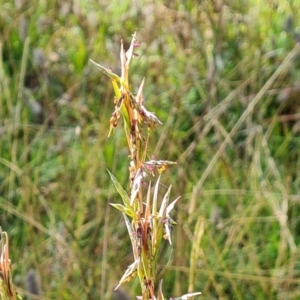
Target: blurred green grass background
(238,231)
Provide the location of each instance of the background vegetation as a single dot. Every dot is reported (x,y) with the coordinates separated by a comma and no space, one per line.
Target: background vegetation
(206,63)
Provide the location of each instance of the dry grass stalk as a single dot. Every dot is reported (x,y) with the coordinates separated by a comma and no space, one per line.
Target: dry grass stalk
(7,289)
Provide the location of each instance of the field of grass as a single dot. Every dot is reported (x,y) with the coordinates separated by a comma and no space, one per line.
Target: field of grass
(222,76)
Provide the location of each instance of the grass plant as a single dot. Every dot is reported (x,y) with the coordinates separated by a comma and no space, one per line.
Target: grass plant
(146,222)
